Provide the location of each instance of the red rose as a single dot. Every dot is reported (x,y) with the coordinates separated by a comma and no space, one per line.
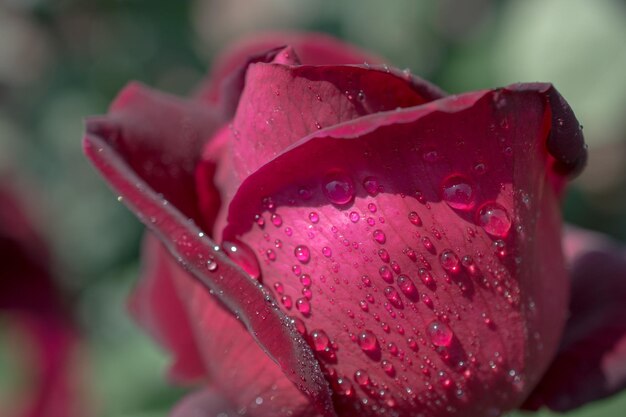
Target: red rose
(341,238)
(30,305)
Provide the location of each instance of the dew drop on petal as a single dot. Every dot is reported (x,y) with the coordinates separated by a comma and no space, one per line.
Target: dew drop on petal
(362,378)
(371,185)
(458,192)
(304,306)
(494,219)
(305,279)
(277,220)
(449,261)
(302,253)
(319,340)
(211,265)
(406,286)
(372,207)
(354,217)
(338,188)
(393,297)
(314,217)
(439,333)
(386,274)
(415,218)
(379,236)
(388,367)
(327,252)
(243,256)
(368,341)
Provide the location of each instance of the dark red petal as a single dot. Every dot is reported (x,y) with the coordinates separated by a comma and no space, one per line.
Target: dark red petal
(359,209)
(160,137)
(156,307)
(312,49)
(241,295)
(282,104)
(591,361)
(30,302)
(247,377)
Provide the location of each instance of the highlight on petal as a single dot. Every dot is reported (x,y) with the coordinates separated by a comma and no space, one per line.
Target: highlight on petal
(208,264)
(591,361)
(408,245)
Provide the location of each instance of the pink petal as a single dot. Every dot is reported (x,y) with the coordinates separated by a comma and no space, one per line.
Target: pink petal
(369,208)
(246,376)
(591,361)
(313,49)
(282,104)
(156,307)
(197,253)
(160,138)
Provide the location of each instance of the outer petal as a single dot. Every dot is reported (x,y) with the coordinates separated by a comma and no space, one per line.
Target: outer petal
(160,137)
(241,295)
(410,245)
(591,361)
(246,376)
(156,307)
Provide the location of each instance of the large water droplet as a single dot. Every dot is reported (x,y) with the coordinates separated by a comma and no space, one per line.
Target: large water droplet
(368,341)
(440,334)
(338,188)
(494,219)
(458,192)
(379,236)
(362,378)
(407,287)
(319,340)
(449,261)
(303,254)
(304,306)
(243,256)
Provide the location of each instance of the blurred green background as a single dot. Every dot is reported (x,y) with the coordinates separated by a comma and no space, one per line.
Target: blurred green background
(62,60)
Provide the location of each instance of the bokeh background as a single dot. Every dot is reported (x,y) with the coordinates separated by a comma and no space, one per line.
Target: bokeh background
(62,60)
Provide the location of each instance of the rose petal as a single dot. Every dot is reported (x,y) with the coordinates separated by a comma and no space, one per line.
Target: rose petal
(241,295)
(591,361)
(155,306)
(494,318)
(206,403)
(30,302)
(247,377)
(160,137)
(282,104)
(312,48)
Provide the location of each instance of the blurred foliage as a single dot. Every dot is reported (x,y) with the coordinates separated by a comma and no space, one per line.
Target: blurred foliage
(62,60)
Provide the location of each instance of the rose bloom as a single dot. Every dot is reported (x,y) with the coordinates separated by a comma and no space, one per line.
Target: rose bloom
(46,342)
(330,236)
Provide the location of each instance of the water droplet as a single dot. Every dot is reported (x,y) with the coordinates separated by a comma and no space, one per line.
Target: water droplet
(372,207)
(277,220)
(426,277)
(286,300)
(384,255)
(319,340)
(368,341)
(303,254)
(440,334)
(271,255)
(371,185)
(393,297)
(314,217)
(428,244)
(327,252)
(280,289)
(243,256)
(388,367)
(386,274)
(458,193)
(354,217)
(211,265)
(344,387)
(304,193)
(362,378)
(379,236)
(449,261)
(305,279)
(415,218)
(494,219)
(338,188)
(406,286)
(304,306)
